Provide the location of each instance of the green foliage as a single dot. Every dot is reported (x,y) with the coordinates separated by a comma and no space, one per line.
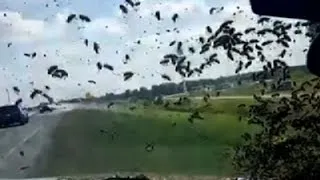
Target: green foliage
(133,99)
(158,100)
(288,144)
(147,103)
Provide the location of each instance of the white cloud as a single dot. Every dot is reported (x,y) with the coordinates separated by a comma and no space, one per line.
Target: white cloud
(14,27)
(168,8)
(109,26)
(19,29)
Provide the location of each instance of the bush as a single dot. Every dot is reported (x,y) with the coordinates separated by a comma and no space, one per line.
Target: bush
(288,144)
(146,103)
(133,99)
(158,100)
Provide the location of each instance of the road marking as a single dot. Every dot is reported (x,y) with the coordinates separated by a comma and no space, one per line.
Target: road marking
(21,142)
(32,113)
(25,139)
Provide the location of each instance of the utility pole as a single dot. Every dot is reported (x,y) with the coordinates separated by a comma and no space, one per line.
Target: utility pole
(185,89)
(9,101)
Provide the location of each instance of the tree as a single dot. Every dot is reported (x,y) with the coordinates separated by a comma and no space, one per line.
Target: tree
(154,90)
(288,143)
(134,95)
(314,29)
(158,100)
(89,95)
(127,93)
(144,93)
(110,96)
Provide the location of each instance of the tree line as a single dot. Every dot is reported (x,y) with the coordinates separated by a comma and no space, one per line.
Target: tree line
(176,88)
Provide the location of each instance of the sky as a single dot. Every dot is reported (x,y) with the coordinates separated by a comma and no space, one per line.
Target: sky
(40,26)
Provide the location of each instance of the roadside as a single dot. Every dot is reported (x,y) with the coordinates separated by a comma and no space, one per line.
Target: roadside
(37,143)
(98,141)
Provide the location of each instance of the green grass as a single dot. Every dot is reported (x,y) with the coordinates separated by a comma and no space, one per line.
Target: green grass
(199,148)
(301,76)
(216,106)
(243,90)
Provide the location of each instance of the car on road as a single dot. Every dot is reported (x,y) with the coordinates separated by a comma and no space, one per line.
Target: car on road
(11,115)
(45,108)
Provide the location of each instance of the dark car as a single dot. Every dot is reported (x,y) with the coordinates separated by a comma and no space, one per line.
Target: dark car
(45,108)
(12,115)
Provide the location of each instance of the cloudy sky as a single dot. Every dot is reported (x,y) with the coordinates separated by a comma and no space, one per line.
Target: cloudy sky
(40,26)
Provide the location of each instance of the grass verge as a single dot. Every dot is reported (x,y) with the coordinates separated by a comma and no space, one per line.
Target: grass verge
(96,141)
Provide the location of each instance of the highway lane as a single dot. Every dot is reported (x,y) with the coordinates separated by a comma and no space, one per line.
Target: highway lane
(29,139)
(33,139)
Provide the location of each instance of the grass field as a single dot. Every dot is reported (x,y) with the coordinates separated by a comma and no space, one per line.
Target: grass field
(79,146)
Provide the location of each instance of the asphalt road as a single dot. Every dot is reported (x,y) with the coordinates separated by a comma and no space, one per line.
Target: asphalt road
(21,145)
(33,139)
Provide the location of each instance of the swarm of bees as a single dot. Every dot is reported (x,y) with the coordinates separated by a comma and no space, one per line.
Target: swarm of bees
(277,117)
(31,55)
(226,37)
(242,47)
(82,17)
(55,72)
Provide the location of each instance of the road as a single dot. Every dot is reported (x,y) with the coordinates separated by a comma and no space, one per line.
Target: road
(32,139)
